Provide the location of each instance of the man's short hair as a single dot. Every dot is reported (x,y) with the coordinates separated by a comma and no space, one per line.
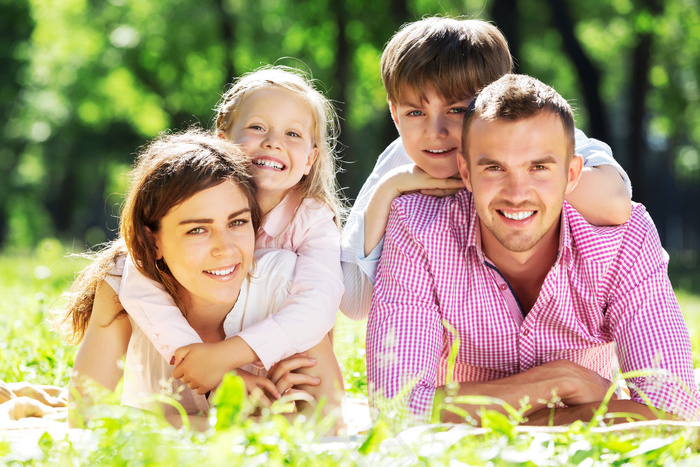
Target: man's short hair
(518,97)
(456,57)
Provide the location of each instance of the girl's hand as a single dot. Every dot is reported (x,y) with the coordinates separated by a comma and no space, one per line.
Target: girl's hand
(283,376)
(259,387)
(199,366)
(23,407)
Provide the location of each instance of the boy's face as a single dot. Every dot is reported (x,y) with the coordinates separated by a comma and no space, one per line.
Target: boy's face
(431,130)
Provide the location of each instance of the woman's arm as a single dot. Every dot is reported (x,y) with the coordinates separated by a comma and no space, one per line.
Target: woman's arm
(104,345)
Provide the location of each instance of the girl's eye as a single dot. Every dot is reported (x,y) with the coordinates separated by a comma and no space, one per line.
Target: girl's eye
(255,127)
(196,231)
(293,134)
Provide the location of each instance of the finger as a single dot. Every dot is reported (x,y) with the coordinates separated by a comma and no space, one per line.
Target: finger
(270,387)
(296,395)
(259,396)
(291,380)
(288,365)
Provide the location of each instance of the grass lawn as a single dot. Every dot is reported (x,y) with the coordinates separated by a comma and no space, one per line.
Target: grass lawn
(31,284)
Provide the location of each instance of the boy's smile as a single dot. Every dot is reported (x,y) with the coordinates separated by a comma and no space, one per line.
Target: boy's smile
(431,130)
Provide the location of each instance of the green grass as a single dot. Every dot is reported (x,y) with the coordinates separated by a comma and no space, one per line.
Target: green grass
(31,284)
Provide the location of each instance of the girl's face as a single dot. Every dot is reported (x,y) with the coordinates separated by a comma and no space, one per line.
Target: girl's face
(207,241)
(275,127)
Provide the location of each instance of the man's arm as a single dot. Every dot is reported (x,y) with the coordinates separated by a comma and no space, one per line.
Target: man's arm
(647,324)
(562,380)
(404,330)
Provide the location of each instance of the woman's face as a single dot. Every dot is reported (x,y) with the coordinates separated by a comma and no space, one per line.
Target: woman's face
(207,241)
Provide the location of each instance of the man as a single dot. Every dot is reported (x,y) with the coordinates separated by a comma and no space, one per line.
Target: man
(534,296)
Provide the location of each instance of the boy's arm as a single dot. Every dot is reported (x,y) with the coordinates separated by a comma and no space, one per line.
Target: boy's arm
(401,180)
(359,270)
(603,194)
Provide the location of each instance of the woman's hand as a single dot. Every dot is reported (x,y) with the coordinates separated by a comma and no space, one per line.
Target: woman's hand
(283,375)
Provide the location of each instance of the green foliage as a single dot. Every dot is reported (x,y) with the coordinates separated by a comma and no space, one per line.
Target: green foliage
(31,281)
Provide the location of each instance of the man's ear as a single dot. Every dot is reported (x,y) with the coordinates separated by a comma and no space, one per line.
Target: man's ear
(575,168)
(394,114)
(463,166)
(153,240)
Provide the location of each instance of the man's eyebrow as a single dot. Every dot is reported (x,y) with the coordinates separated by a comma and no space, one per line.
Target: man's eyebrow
(547,159)
(211,221)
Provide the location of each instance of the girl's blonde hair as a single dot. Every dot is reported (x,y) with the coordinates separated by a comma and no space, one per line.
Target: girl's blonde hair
(167,172)
(320,183)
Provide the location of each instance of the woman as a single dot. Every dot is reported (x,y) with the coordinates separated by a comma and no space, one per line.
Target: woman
(189,222)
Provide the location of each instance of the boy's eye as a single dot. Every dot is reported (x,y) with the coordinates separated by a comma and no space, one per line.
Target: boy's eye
(414,113)
(457,110)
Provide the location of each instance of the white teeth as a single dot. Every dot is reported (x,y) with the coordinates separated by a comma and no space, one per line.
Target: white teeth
(268,163)
(438,151)
(518,216)
(222,272)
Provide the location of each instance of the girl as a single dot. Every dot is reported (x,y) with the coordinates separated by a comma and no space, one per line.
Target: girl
(288,131)
(189,222)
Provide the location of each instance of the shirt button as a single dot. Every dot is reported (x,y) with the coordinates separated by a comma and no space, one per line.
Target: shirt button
(526,332)
(503,287)
(154,336)
(164,348)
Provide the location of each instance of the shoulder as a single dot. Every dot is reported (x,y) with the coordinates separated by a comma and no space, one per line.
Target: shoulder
(311,208)
(421,213)
(273,268)
(605,244)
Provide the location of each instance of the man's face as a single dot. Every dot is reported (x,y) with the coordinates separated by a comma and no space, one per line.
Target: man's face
(518,173)
(431,130)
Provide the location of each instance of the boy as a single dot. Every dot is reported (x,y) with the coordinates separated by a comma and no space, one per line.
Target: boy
(431,70)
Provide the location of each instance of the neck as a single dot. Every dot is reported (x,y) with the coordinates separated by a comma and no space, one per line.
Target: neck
(525,271)
(267,200)
(208,321)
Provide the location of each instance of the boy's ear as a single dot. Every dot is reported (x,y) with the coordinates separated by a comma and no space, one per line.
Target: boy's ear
(153,240)
(394,114)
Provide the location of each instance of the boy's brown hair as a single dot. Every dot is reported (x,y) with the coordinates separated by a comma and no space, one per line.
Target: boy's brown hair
(457,57)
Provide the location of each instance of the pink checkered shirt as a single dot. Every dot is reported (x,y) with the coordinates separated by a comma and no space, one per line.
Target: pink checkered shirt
(608,285)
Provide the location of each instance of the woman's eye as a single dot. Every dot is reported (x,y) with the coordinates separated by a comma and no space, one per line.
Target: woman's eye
(195,231)
(239,222)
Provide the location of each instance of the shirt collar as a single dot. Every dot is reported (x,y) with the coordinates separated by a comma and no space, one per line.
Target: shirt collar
(280,217)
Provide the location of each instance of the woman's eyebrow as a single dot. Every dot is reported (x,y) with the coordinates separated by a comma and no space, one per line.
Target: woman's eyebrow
(211,221)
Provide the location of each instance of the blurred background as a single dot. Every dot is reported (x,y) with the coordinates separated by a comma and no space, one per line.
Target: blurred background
(84,84)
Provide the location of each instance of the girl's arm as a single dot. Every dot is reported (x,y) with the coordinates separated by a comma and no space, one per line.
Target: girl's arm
(603,194)
(105,343)
(308,312)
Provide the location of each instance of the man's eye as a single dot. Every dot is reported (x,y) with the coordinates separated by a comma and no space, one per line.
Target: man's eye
(539,167)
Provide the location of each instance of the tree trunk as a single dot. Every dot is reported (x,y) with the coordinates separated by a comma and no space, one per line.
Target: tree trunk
(589,75)
(505,14)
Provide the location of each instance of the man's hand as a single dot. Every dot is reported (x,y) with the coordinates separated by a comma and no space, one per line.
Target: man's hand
(200,366)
